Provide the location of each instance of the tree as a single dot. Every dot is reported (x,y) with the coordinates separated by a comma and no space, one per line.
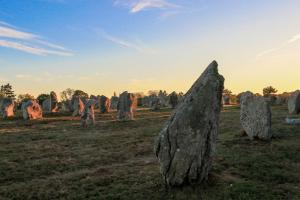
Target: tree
(81,94)
(24,97)
(227,92)
(42,97)
(268,91)
(67,94)
(6,91)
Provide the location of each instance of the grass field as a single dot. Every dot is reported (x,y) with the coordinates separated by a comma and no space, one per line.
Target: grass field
(56,159)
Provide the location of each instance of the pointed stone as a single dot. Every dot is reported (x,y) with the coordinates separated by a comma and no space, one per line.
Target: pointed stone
(186,144)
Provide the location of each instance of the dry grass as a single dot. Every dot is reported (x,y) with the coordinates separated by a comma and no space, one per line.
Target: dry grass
(55,158)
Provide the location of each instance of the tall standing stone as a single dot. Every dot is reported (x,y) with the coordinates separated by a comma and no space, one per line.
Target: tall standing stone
(255,116)
(7,106)
(88,114)
(104,104)
(294,103)
(186,144)
(32,110)
(126,106)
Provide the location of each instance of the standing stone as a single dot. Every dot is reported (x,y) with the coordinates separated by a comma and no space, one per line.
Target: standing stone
(294,103)
(226,100)
(104,104)
(146,101)
(255,116)
(163,98)
(77,106)
(173,99)
(88,114)
(155,103)
(51,104)
(32,110)
(7,107)
(187,143)
(114,102)
(126,106)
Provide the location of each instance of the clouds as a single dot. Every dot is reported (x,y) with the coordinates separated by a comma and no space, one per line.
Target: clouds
(293,39)
(11,37)
(137,46)
(136,6)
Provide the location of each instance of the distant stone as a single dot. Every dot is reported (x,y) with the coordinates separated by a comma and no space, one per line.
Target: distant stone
(7,107)
(88,114)
(77,106)
(51,104)
(186,144)
(32,110)
(173,99)
(255,116)
(126,106)
(114,102)
(146,101)
(226,100)
(294,103)
(155,103)
(163,98)
(104,104)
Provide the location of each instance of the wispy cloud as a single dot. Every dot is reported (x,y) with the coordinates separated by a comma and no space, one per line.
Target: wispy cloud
(11,37)
(293,39)
(136,6)
(124,43)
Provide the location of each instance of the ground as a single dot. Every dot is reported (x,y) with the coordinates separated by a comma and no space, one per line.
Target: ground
(55,158)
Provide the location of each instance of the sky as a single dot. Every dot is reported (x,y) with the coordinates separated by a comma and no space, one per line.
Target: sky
(102,46)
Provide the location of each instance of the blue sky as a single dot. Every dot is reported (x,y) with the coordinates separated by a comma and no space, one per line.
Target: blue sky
(101,46)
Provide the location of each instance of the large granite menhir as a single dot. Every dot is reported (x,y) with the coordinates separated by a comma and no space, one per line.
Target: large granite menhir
(255,116)
(104,104)
(187,143)
(88,114)
(77,106)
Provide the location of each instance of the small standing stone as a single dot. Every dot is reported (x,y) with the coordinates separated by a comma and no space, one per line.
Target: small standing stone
(126,106)
(51,104)
(77,106)
(7,107)
(155,103)
(255,116)
(104,104)
(173,99)
(88,114)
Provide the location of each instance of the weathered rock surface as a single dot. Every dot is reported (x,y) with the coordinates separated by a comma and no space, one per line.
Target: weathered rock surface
(126,106)
(88,114)
(114,102)
(77,106)
(255,116)
(294,103)
(104,104)
(173,99)
(7,107)
(51,104)
(186,144)
(31,110)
